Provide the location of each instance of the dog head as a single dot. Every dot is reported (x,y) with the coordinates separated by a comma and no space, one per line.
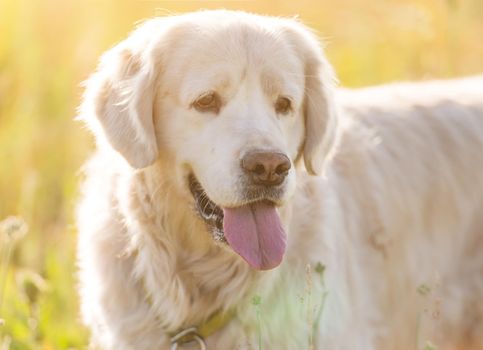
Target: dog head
(234,100)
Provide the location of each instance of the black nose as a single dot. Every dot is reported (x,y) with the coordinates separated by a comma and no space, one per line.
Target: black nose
(266,168)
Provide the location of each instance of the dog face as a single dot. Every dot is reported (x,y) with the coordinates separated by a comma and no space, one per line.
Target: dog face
(237,107)
(233,100)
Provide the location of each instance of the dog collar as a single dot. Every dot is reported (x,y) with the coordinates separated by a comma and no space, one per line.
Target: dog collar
(198,334)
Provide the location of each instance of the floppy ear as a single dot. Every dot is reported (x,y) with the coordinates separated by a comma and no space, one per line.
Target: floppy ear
(320,108)
(118,105)
(321,117)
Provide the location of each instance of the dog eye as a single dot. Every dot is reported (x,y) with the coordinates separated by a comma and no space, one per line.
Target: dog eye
(283,105)
(208,102)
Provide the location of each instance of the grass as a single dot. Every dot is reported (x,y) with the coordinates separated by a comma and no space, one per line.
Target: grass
(256,301)
(48,47)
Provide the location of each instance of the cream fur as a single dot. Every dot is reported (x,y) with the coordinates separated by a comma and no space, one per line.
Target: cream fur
(395,218)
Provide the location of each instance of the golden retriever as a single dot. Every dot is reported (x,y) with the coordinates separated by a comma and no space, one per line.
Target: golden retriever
(238,200)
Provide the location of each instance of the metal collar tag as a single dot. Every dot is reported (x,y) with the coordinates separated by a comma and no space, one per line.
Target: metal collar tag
(186,336)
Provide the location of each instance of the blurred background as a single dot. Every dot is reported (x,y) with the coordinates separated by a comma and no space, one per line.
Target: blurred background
(48,47)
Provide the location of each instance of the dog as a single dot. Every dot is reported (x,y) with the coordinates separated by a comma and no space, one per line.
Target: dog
(238,199)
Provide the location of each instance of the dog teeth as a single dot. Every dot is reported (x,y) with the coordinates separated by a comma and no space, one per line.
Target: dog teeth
(207,210)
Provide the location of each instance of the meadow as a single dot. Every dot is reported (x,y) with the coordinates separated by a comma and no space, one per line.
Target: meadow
(47,48)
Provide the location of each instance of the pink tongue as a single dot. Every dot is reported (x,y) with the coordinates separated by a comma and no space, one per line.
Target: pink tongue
(255,232)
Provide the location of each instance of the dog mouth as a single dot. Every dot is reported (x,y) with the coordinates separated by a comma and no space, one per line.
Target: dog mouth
(207,210)
(253,230)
